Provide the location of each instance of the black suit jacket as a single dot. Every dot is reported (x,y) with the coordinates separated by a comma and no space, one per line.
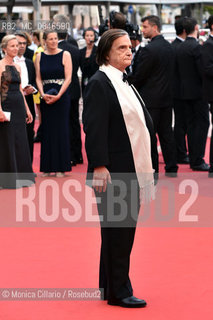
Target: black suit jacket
(136,60)
(189,64)
(153,75)
(207,65)
(108,142)
(75,55)
(29,53)
(72,41)
(176,74)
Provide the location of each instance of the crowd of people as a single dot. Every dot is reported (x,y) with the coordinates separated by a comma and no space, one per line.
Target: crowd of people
(175,76)
(127,102)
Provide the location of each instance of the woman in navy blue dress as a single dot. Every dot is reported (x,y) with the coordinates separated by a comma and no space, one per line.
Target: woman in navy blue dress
(53,76)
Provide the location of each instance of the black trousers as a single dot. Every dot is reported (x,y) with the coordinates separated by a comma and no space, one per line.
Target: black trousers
(197,116)
(75,131)
(180,129)
(211,143)
(162,120)
(117,239)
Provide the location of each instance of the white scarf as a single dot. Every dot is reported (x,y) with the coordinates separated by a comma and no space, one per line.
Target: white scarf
(135,124)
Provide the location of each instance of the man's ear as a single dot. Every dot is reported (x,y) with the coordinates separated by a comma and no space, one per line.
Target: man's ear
(155,27)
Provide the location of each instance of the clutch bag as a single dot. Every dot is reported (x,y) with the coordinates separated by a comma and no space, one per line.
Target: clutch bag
(52,91)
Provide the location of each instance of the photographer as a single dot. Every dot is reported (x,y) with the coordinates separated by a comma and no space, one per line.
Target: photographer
(136,39)
(116,21)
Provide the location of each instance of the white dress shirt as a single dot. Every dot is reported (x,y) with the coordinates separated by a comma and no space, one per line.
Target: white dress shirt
(24,72)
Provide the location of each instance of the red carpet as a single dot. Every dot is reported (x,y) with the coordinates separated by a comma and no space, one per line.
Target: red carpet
(171,265)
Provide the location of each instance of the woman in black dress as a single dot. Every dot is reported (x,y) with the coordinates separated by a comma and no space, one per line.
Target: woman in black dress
(53,76)
(15,162)
(88,63)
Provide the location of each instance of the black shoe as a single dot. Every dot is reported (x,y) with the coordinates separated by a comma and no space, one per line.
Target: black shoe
(171,174)
(184,161)
(210,174)
(202,167)
(129,302)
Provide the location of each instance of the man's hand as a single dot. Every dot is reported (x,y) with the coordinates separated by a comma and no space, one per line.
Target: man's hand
(101,177)
(147,193)
(28,90)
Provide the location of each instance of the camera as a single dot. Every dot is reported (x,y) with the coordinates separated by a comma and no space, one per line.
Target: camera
(118,21)
(133,31)
(103,27)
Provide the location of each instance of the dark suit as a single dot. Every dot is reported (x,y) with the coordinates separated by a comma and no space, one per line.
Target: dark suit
(30,102)
(72,41)
(88,66)
(153,81)
(180,127)
(29,53)
(207,64)
(136,60)
(107,144)
(190,69)
(75,93)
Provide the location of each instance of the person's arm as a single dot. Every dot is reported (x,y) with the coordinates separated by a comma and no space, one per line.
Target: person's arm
(29,115)
(207,59)
(2,115)
(197,56)
(38,76)
(144,69)
(67,62)
(96,123)
(30,88)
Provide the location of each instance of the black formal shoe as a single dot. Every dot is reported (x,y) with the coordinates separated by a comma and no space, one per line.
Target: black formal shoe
(129,302)
(202,167)
(171,174)
(184,161)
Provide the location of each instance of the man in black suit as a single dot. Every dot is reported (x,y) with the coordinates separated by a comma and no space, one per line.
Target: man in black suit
(136,38)
(75,93)
(28,84)
(111,141)
(207,63)
(62,22)
(180,127)
(197,112)
(153,78)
